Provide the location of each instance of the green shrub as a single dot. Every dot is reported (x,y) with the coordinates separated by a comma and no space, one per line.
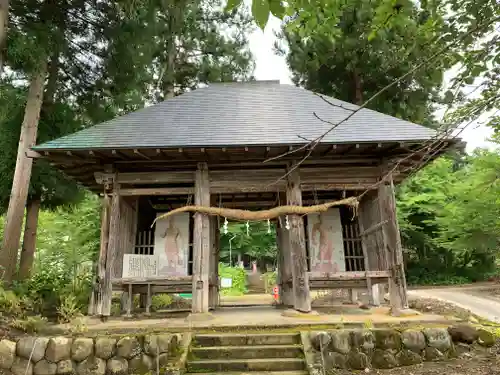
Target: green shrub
(161,301)
(239,280)
(10,303)
(68,309)
(30,324)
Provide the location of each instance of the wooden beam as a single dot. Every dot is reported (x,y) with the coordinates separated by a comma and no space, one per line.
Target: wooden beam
(157,191)
(201,243)
(301,293)
(348,275)
(142,155)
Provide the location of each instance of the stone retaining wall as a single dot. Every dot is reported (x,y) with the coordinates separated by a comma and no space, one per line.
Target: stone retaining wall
(86,356)
(388,348)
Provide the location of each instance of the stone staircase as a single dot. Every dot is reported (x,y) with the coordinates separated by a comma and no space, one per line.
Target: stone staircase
(255,354)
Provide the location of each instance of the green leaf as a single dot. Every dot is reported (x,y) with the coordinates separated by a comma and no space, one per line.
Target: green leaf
(232,4)
(260,11)
(277,9)
(372,35)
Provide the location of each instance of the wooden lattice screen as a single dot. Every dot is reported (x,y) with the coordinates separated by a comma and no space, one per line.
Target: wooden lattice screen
(354,260)
(145,243)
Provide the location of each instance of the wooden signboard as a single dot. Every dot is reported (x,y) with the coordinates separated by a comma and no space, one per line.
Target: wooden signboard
(172,245)
(140,266)
(326,247)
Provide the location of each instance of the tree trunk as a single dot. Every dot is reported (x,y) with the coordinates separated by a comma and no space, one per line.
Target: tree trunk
(52,80)
(4,20)
(175,23)
(29,239)
(22,175)
(358,89)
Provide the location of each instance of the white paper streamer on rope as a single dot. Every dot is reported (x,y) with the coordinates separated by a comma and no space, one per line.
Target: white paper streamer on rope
(268,226)
(224,227)
(287,223)
(248,228)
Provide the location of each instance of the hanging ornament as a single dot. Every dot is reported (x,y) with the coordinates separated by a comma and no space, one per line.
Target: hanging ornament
(224,227)
(248,228)
(268,226)
(287,223)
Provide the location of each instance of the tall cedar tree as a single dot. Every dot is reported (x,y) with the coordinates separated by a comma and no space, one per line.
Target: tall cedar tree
(104,62)
(350,67)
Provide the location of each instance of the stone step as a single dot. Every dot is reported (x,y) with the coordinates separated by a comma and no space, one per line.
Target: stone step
(253,339)
(247,352)
(225,365)
(299,372)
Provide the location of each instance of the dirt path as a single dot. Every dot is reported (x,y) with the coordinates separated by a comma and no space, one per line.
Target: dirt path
(482,306)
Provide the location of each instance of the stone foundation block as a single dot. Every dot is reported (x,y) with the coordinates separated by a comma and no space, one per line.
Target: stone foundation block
(44,367)
(117,366)
(413,340)
(58,348)
(82,348)
(21,366)
(105,347)
(384,359)
(66,367)
(408,357)
(7,354)
(128,347)
(32,346)
(438,338)
(91,366)
(340,341)
(142,364)
(386,339)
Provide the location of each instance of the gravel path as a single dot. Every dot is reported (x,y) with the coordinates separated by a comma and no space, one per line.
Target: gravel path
(482,306)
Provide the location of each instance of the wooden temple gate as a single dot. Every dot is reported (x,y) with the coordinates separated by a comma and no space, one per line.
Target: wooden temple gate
(358,249)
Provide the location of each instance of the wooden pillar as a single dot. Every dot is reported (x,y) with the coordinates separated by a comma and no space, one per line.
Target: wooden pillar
(111,252)
(364,247)
(394,250)
(284,264)
(201,242)
(301,293)
(214,262)
(101,266)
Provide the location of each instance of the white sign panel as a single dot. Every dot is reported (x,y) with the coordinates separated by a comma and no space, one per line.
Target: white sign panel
(326,244)
(172,245)
(135,265)
(226,282)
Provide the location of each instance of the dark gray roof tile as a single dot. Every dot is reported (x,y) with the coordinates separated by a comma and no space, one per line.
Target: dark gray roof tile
(230,114)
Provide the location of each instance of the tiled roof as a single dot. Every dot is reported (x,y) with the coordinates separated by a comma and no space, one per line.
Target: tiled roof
(232,114)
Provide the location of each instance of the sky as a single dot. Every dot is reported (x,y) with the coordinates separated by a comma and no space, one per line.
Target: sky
(269,66)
